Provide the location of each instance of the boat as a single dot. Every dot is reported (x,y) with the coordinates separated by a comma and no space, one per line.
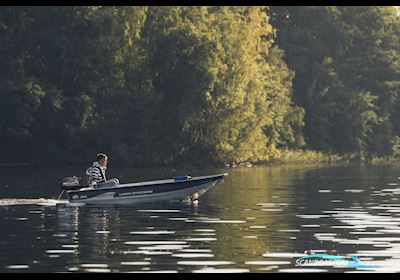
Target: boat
(177,188)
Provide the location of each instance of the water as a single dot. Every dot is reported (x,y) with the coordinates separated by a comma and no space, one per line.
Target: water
(260,219)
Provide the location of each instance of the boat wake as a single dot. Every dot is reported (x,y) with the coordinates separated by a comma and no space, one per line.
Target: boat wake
(31,201)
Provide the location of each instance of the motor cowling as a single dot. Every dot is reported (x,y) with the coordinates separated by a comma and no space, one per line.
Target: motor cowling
(70,183)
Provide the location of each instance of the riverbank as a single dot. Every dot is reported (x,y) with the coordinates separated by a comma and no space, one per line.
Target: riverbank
(287,157)
(309,157)
(300,156)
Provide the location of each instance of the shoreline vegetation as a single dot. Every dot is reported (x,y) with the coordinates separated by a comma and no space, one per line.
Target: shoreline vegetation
(287,157)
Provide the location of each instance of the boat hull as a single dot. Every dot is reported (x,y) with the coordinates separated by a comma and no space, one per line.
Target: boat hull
(145,192)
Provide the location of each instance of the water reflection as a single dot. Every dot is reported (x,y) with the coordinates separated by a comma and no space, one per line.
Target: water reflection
(260,219)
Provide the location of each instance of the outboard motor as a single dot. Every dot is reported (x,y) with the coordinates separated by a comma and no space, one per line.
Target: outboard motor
(70,183)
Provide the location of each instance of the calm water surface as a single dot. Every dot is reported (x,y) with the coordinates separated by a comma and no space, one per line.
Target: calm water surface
(260,219)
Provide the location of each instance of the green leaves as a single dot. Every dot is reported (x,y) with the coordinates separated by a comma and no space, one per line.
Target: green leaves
(345,60)
(168,85)
(212,91)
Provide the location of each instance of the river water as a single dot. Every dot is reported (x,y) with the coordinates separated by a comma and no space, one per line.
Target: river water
(260,219)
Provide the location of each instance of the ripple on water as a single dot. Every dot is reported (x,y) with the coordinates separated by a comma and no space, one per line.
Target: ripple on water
(223,221)
(272,209)
(60,251)
(98,270)
(317,251)
(159,232)
(385,207)
(59,235)
(73,269)
(377,253)
(258,227)
(267,262)
(354,190)
(102,232)
(346,227)
(365,232)
(221,270)
(369,223)
(344,211)
(195,250)
(205,234)
(395,231)
(155,242)
(135,263)
(305,270)
(310,216)
(283,255)
(268,268)
(17,266)
(154,271)
(204,239)
(160,210)
(35,212)
(70,246)
(382,239)
(325,236)
(94,265)
(359,241)
(147,253)
(205,263)
(193,255)
(164,247)
(178,219)
(269,204)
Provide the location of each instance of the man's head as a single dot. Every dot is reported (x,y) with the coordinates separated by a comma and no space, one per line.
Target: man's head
(102,159)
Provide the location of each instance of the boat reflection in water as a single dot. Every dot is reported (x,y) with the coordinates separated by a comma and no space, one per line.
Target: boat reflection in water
(101,238)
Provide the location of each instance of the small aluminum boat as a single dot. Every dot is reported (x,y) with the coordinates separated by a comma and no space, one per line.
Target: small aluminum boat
(178,188)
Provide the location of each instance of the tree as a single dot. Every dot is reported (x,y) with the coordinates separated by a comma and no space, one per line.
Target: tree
(150,85)
(346,67)
(218,83)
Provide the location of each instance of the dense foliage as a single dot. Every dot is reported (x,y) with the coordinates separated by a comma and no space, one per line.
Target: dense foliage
(169,85)
(347,65)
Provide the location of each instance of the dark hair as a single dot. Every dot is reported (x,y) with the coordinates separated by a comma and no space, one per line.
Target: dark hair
(101,156)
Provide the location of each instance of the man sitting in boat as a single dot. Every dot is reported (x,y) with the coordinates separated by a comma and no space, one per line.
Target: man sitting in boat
(97,173)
